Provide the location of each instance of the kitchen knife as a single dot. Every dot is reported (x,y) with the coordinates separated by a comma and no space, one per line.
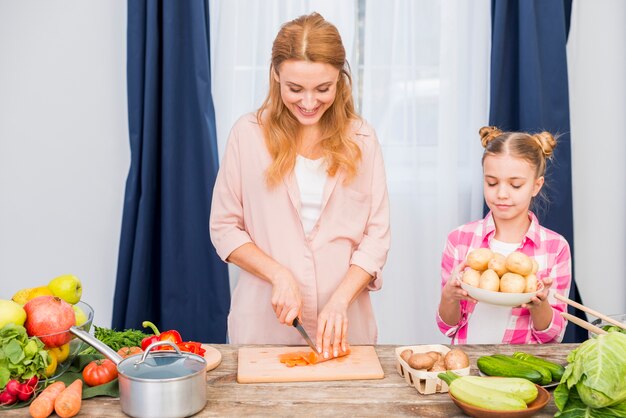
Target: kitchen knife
(302,331)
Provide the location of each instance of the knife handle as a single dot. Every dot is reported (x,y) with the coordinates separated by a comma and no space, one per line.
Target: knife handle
(295,322)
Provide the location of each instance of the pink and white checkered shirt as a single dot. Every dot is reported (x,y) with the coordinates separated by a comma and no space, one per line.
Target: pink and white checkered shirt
(549,249)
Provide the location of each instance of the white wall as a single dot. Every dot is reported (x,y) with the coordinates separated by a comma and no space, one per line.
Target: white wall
(64,151)
(597,76)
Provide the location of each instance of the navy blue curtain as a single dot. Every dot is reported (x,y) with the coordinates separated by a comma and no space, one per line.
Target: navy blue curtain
(529,92)
(168,271)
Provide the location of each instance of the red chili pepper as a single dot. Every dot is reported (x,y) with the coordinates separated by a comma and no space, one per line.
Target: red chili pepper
(171,335)
(192,347)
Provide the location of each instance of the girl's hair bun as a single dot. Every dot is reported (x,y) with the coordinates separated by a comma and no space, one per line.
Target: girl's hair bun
(546,142)
(488,134)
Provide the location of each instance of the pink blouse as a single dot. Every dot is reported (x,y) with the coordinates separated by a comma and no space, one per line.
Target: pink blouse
(353,228)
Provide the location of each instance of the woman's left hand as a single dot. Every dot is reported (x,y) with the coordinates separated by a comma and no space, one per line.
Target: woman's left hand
(332,329)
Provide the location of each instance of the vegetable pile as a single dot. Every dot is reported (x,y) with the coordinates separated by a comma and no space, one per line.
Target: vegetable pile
(594,382)
(524,365)
(21,357)
(504,394)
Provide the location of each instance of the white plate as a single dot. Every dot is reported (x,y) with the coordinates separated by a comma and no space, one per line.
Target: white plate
(499,298)
(548,386)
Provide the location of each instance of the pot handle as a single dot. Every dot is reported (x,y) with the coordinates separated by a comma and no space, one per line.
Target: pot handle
(97,344)
(156,344)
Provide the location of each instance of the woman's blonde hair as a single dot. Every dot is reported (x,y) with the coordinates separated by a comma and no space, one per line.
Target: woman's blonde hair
(313,39)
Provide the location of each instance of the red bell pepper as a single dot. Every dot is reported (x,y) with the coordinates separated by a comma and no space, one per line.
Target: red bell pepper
(192,347)
(171,336)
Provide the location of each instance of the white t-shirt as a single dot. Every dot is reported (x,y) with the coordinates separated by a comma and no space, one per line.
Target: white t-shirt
(488,323)
(311,177)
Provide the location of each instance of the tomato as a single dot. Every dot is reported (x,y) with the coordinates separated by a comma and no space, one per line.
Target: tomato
(129,351)
(99,372)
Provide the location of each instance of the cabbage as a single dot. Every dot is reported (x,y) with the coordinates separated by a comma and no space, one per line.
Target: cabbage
(597,370)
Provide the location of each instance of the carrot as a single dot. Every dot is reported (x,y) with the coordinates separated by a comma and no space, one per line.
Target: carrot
(305,358)
(67,404)
(43,405)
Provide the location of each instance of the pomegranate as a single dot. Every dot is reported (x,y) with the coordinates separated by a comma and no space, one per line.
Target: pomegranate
(49,318)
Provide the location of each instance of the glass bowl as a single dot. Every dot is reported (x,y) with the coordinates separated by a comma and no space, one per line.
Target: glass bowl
(67,352)
(602,324)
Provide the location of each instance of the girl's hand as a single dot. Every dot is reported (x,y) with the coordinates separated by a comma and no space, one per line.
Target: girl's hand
(286,297)
(541,297)
(452,290)
(332,329)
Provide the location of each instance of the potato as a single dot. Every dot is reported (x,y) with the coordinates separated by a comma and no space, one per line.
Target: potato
(456,359)
(498,264)
(489,280)
(471,277)
(531,283)
(436,355)
(535,266)
(519,263)
(439,366)
(406,354)
(512,283)
(421,361)
(478,259)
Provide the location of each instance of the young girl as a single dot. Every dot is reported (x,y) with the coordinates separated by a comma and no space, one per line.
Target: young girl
(514,165)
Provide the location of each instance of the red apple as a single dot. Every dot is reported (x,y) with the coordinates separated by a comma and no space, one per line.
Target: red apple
(49,318)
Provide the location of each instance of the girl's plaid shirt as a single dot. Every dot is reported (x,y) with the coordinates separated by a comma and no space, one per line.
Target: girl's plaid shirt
(549,249)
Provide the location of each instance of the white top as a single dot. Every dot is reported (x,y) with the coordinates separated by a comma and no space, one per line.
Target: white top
(488,323)
(311,177)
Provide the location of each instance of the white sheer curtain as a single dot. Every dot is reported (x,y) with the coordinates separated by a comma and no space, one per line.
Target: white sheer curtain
(425,90)
(596,65)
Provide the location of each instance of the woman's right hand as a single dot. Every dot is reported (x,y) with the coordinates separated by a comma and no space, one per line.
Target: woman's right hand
(286,297)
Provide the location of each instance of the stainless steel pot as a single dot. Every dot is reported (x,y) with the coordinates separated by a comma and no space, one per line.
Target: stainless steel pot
(156,383)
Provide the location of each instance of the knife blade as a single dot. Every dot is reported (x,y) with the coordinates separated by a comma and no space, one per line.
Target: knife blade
(302,331)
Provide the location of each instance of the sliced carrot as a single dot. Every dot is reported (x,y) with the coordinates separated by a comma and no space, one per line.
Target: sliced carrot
(305,358)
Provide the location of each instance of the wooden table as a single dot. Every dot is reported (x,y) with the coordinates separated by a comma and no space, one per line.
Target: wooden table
(386,397)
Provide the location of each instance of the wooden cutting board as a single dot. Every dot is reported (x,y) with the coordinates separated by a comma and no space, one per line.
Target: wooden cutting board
(261,365)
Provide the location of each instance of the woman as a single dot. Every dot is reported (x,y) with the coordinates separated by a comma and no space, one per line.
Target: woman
(300,202)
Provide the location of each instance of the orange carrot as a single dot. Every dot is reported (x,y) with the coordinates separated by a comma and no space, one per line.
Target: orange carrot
(43,405)
(304,358)
(68,402)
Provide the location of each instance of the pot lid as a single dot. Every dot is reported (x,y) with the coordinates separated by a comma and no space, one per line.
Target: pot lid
(161,365)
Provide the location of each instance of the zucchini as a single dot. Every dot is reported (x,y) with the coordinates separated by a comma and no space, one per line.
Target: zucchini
(546,376)
(555,369)
(522,388)
(492,366)
(483,397)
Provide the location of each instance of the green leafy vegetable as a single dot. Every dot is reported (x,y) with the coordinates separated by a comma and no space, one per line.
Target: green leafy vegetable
(613,328)
(21,356)
(117,339)
(571,406)
(595,374)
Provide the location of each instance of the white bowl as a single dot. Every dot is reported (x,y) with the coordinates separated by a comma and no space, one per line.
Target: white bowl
(499,298)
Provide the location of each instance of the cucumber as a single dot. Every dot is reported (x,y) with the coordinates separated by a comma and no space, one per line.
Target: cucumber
(555,369)
(546,376)
(522,388)
(482,397)
(492,366)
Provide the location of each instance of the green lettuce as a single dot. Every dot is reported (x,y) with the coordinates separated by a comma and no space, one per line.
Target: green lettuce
(21,356)
(571,406)
(596,374)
